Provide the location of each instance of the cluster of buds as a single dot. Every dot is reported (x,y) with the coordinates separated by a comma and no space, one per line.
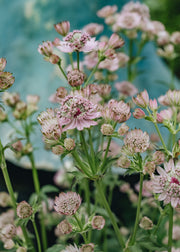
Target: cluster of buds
(6,78)
(21,150)
(46,49)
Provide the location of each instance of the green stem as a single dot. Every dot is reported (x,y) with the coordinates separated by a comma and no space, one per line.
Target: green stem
(132,240)
(81,227)
(37,189)
(92,151)
(170,232)
(71,60)
(158,224)
(27,240)
(62,71)
(111,215)
(79,162)
(93,71)
(37,236)
(161,138)
(129,69)
(78,60)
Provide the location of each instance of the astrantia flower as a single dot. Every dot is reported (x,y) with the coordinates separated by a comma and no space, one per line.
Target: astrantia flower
(93,29)
(128,20)
(126,88)
(77,112)
(77,41)
(64,227)
(137,141)
(24,210)
(119,111)
(2,64)
(6,80)
(107,11)
(87,248)
(62,28)
(167,183)
(142,99)
(67,203)
(98,222)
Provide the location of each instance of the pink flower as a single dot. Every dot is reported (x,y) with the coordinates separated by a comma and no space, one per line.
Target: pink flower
(62,28)
(107,11)
(126,88)
(137,141)
(64,227)
(71,248)
(115,41)
(2,64)
(67,203)
(77,41)
(6,80)
(167,183)
(142,99)
(175,38)
(93,29)
(128,20)
(77,112)
(165,114)
(98,222)
(137,7)
(119,111)
(153,104)
(75,77)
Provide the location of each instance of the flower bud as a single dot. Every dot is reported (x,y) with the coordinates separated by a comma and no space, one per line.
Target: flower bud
(107,129)
(2,64)
(123,162)
(3,115)
(24,210)
(153,104)
(54,59)
(75,78)
(146,223)
(149,168)
(17,146)
(98,222)
(158,157)
(142,99)
(64,227)
(8,231)
(87,248)
(5,199)
(9,244)
(138,113)
(58,150)
(123,129)
(62,28)
(69,144)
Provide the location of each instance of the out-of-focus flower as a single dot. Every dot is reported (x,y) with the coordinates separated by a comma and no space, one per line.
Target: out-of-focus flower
(9,244)
(119,111)
(77,112)
(163,38)
(125,187)
(126,88)
(10,99)
(147,189)
(24,210)
(104,90)
(21,249)
(98,222)
(123,59)
(67,203)
(3,115)
(123,129)
(71,248)
(87,248)
(167,183)
(46,49)
(123,162)
(58,149)
(137,141)
(158,157)
(2,64)
(175,38)
(149,168)
(77,41)
(93,29)
(8,231)
(115,41)
(167,52)
(107,11)
(107,129)
(165,114)
(75,78)
(64,227)
(69,144)
(142,99)
(128,20)
(62,28)
(146,223)
(5,199)
(137,7)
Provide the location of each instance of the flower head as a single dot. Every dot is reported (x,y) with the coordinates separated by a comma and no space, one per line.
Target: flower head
(128,20)
(137,141)
(98,222)
(77,112)
(119,111)
(146,223)
(142,99)
(167,183)
(71,248)
(75,77)
(24,210)
(126,88)
(62,28)
(77,41)
(6,80)
(87,248)
(64,227)
(107,11)
(67,203)
(93,29)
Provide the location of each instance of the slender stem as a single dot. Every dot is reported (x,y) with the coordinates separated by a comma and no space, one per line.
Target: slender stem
(71,60)
(86,151)
(93,71)
(130,60)
(92,150)
(37,236)
(111,215)
(133,237)
(78,160)
(170,228)
(81,227)
(27,240)
(62,71)
(34,173)
(158,224)
(161,138)
(78,60)
(37,189)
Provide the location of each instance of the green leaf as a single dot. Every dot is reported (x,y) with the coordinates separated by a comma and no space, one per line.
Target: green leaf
(49,188)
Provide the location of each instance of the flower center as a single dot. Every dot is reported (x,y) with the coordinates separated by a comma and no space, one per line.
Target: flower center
(78,112)
(174,181)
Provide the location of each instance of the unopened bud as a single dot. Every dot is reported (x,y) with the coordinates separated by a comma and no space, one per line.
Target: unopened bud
(123,129)
(107,129)
(153,104)
(75,77)
(24,210)
(64,227)
(98,222)
(87,248)
(8,231)
(158,157)
(69,144)
(9,244)
(123,162)
(149,168)
(58,150)
(138,113)
(146,223)
(62,28)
